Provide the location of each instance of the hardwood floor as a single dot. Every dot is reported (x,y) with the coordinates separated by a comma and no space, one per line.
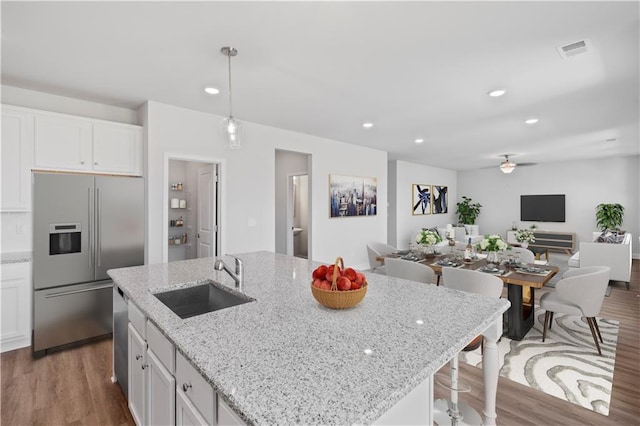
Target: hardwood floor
(73,387)
(70,387)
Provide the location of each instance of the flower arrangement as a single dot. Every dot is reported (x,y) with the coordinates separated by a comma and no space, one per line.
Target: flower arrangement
(525,236)
(428,238)
(492,243)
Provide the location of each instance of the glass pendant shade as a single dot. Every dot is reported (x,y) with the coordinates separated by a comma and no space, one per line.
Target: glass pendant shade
(231,130)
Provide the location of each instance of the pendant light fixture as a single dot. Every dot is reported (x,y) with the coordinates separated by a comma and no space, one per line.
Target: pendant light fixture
(507,166)
(230,127)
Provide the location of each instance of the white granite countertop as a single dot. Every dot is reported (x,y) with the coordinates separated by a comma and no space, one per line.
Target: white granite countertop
(16,257)
(285,359)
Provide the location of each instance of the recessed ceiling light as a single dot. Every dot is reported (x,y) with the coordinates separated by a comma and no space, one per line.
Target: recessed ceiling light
(212,90)
(419,140)
(531,120)
(367,125)
(496,93)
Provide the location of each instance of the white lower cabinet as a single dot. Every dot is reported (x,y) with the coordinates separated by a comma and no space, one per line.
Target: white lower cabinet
(152,396)
(164,388)
(137,385)
(161,391)
(15,306)
(196,389)
(186,413)
(226,416)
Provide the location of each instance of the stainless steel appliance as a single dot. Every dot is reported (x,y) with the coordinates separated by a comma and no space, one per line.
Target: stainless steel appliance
(120,339)
(83,225)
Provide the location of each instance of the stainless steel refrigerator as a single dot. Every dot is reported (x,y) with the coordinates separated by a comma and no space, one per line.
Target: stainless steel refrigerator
(83,225)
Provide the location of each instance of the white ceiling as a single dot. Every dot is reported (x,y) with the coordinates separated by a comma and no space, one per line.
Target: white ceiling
(415,69)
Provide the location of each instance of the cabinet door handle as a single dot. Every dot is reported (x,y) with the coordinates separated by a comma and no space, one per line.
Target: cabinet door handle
(138,357)
(95,164)
(144,366)
(81,162)
(186,386)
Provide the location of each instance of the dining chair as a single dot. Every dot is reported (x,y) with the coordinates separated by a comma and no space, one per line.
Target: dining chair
(453,411)
(525,255)
(408,270)
(580,292)
(376,249)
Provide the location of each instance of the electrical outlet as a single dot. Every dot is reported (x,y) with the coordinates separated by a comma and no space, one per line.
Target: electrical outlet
(19,229)
(252,221)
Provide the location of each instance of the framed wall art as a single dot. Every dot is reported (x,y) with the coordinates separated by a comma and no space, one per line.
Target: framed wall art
(439,199)
(352,196)
(421,199)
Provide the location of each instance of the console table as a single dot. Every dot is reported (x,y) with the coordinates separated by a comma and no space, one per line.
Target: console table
(549,240)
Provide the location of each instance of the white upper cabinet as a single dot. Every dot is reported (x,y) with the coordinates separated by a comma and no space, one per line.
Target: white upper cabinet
(62,143)
(17,158)
(117,148)
(69,143)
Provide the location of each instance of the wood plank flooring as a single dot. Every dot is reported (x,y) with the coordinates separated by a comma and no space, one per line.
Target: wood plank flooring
(73,387)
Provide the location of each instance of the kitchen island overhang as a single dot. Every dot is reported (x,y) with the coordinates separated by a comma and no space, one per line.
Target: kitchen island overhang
(285,359)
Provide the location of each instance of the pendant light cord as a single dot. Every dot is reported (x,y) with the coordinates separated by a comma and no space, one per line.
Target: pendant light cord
(230,103)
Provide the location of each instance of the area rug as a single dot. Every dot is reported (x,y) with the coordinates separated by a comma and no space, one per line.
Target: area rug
(566,365)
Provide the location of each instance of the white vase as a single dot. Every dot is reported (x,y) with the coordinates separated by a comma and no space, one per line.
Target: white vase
(524,245)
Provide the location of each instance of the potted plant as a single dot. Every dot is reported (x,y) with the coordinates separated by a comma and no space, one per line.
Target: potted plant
(467,211)
(609,216)
(525,237)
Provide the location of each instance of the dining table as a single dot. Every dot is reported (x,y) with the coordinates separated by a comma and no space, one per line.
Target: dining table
(517,276)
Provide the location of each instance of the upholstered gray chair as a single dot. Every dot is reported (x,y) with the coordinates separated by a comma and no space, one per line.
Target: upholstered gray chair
(579,292)
(409,270)
(454,412)
(375,249)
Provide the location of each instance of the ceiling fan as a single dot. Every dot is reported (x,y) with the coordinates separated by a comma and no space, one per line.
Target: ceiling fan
(507,166)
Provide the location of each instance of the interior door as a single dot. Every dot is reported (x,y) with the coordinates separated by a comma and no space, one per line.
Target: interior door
(206,211)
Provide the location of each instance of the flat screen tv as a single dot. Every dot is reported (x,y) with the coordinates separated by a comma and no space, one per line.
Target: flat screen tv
(542,208)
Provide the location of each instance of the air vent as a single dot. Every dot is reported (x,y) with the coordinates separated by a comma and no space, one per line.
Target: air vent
(574,49)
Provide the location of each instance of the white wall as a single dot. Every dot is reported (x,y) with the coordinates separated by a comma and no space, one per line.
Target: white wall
(585,184)
(403,225)
(248,183)
(64,105)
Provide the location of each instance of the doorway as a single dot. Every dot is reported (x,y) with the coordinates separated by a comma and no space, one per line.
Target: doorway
(298,215)
(192,210)
(293,218)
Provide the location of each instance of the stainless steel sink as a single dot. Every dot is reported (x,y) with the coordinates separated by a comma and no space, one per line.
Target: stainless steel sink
(191,301)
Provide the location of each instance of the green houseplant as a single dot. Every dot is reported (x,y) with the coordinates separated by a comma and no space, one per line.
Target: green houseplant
(609,216)
(467,211)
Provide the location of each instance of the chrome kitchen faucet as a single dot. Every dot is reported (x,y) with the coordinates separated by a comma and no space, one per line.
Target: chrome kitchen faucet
(238,276)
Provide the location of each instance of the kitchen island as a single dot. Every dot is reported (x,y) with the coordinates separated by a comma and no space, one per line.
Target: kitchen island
(285,359)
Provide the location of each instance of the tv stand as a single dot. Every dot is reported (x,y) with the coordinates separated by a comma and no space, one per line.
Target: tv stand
(552,240)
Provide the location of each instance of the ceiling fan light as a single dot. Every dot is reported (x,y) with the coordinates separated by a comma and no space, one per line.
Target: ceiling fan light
(507,166)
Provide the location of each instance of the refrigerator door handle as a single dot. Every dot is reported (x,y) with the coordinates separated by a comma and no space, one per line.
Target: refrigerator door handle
(84,290)
(99,226)
(90,231)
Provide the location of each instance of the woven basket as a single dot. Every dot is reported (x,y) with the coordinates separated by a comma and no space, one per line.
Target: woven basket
(335,299)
